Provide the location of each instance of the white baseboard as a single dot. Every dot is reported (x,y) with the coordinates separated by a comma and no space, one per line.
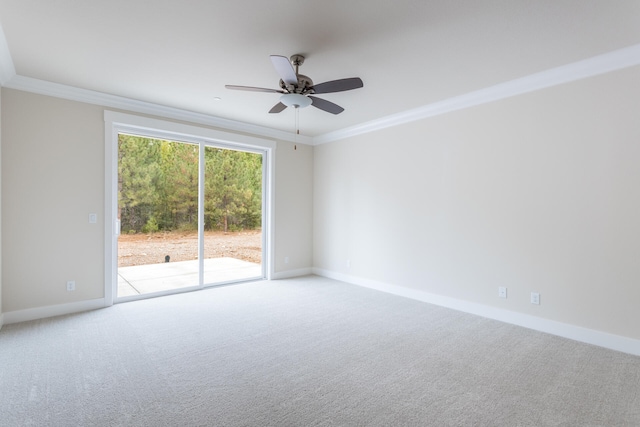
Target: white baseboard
(76,307)
(52,310)
(565,330)
(291,273)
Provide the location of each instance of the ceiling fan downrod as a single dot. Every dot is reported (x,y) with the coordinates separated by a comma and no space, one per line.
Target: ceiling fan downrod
(297,60)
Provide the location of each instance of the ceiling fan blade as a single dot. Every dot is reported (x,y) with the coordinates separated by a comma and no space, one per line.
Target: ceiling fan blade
(285,69)
(277,108)
(253,89)
(338,85)
(325,105)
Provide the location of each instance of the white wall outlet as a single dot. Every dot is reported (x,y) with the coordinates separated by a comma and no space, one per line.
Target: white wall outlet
(535,298)
(71,285)
(348,263)
(93,218)
(286,260)
(502,292)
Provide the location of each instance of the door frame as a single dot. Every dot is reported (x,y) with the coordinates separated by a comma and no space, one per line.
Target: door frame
(116,123)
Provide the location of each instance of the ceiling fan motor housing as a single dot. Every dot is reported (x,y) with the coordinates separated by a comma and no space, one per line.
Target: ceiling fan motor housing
(304,85)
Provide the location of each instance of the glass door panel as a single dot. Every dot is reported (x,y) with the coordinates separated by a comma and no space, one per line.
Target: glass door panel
(232,216)
(158,215)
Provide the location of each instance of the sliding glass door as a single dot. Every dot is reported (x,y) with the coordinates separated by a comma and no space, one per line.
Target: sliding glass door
(189,215)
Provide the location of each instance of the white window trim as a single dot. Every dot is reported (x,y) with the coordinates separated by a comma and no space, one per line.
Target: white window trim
(116,123)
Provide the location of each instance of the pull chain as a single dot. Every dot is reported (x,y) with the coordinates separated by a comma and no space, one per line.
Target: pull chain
(295,145)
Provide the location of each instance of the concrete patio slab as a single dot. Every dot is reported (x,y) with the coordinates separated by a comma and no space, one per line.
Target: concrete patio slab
(145,279)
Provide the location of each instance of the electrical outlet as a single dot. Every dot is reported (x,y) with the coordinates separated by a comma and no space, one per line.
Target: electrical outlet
(348,263)
(286,260)
(71,285)
(535,298)
(502,292)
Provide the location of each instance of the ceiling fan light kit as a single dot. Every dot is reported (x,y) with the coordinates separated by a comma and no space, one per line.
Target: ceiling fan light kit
(295,100)
(297,89)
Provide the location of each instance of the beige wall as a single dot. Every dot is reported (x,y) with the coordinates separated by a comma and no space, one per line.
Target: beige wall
(536,193)
(294,207)
(1,319)
(53,177)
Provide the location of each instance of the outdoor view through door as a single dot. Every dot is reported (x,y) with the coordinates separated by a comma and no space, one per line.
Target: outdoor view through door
(165,244)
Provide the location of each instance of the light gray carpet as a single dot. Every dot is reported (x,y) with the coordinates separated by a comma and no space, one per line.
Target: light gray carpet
(304,352)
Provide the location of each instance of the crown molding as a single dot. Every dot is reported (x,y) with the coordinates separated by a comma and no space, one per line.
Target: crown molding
(611,61)
(596,65)
(57,90)
(7,69)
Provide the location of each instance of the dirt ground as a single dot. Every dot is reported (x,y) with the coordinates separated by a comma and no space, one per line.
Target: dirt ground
(139,249)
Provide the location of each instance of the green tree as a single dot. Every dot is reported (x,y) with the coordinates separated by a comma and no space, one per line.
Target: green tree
(233,189)
(138,174)
(179,186)
(158,186)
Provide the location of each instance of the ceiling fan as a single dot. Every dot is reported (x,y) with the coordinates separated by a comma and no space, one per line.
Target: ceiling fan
(297,90)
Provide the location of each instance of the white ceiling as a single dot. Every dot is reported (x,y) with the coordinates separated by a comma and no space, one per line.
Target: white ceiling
(409,53)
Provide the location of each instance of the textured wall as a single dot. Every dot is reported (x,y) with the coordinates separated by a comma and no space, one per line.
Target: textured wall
(53,177)
(1,320)
(294,207)
(536,193)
